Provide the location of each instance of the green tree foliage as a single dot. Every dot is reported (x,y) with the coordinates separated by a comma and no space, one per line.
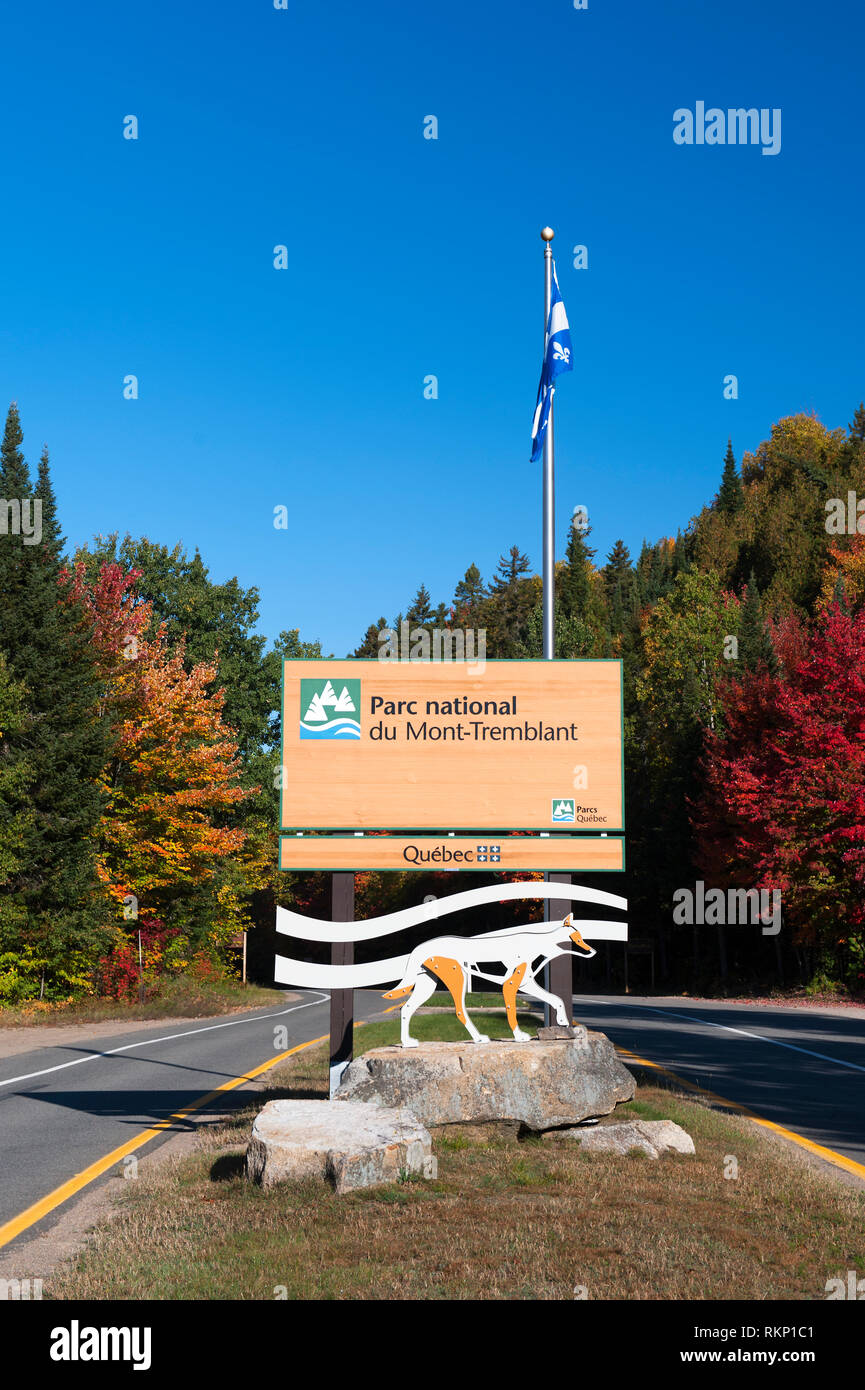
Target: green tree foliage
(513,593)
(468,594)
(16,779)
(420,612)
(730,491)
(371,646)
(50,901)
(756,651)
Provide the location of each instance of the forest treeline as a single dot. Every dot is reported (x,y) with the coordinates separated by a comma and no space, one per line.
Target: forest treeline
(139,730)
(742,641)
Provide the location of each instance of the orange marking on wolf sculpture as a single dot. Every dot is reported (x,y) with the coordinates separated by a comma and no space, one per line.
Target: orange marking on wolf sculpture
(398,993)
(509,990)
(451,975)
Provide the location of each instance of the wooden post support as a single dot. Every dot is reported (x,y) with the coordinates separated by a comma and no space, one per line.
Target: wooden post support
(341,1000)
(560,971)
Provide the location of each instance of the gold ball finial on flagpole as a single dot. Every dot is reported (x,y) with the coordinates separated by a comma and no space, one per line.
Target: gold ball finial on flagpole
(547,233)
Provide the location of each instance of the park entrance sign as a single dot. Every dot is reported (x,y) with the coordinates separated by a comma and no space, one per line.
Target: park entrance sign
(450,766)
(505,745)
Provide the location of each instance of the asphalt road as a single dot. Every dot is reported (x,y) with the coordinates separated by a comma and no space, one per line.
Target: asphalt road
(63,1108)
(799,1068)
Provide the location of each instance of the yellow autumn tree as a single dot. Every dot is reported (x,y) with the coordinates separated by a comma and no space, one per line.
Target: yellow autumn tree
(847,564)
(174,769)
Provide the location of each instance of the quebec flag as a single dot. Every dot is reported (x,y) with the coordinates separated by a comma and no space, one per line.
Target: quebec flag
(558,357)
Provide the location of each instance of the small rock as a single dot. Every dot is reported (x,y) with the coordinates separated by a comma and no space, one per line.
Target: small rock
(651,1137)
(556,1030)
(349,1146)
(664,1134)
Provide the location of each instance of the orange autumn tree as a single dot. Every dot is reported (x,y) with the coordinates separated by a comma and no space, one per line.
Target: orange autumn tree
(174,773)
(847,564)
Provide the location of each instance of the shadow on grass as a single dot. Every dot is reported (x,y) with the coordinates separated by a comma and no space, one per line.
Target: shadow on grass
(228,1166)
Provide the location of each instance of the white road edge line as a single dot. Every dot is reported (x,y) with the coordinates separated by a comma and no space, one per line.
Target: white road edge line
(151,1042)
(727,1028)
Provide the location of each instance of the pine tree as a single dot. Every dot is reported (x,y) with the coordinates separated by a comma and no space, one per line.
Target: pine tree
(857,427)
(755,644)
(420,613)
(730,498)
(504,613)
(46,644)
(370,646)
(575,587)
(470,590)
(510,569)
(16,778)
(619,584)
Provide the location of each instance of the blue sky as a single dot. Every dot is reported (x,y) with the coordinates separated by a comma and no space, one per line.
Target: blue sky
(410,257)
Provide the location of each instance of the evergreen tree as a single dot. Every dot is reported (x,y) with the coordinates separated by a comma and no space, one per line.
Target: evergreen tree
(52,901)
(16,778)
(620,587)
(420,613)
(576,583)
(470,590)
(504,613)
(618,566)
(857,428)
(52,540)
(370,646)
(730,492)
(755,643)
(510,569)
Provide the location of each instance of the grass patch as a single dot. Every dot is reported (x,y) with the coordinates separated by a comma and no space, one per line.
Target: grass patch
(442,1000)
(177,998)
(505,1219)
(439,1028)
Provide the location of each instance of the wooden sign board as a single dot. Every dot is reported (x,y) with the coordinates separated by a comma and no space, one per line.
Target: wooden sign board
(514,745)
(443,853)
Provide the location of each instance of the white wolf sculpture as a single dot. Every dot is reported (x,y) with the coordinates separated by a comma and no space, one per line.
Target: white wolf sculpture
(523,952)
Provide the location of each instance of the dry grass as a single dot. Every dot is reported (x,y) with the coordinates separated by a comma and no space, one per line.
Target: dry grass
(183,997)
(507,1219)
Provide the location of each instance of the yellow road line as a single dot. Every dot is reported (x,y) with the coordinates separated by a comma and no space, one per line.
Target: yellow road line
(830,1155)
(68,1189)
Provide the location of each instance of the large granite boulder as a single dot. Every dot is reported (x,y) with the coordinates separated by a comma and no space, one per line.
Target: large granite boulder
(651,1137)
(347,1146)
(539,1085)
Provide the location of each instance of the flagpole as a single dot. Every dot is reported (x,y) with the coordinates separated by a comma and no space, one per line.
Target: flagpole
(557,975)
(549,506)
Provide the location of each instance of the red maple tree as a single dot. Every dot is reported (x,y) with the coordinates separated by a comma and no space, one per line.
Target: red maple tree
(783,801)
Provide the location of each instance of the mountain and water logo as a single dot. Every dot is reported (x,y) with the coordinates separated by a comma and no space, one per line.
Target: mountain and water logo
(564,811)
(324,713)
